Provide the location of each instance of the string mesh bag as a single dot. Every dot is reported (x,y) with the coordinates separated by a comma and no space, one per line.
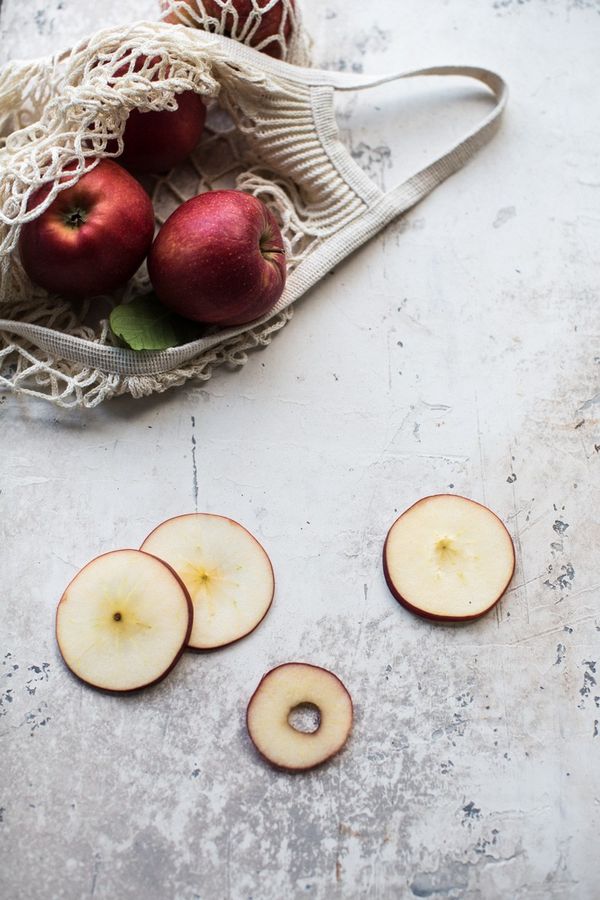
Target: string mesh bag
(271,26)
(271,131)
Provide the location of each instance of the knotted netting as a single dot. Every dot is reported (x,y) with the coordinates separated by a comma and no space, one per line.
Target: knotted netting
(68,111)
(271,131)
(271,26)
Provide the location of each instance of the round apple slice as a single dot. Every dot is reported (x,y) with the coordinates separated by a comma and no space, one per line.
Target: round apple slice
(123,621)
(281,694)
(226,571)
(448,558)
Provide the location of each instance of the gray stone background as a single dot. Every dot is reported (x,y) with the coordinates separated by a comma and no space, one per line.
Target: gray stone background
(458,351)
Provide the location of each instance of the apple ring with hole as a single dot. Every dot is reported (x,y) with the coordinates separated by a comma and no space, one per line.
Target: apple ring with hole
(448,558)
(282,696)
(123,621)
(225,570)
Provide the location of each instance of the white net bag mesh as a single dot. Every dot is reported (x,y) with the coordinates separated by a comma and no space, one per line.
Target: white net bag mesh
(68,112)
(270,131)
(271,26)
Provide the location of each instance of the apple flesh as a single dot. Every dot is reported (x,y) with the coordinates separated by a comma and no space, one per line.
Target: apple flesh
(123,621)
(234,24)
(225,570)
(93,236)
(280,692)
(448,558)
(219,259)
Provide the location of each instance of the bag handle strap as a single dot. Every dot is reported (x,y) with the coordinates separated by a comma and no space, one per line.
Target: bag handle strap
(407,194)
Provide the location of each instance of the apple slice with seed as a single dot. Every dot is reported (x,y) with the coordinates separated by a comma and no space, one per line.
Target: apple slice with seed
(226,571)
(448,558)
(123,621)
(285,696)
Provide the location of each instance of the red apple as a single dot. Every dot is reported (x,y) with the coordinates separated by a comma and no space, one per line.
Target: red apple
(269,25)
(93,236)
(156,141)
(219,259)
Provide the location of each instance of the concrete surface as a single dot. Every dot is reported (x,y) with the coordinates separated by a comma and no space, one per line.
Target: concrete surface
(459,351)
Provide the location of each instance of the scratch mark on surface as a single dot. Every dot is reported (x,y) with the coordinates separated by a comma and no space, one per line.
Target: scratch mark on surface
(523,584)
(586,590)
(532,522)
(437,407)
(65,561)
(95,874)
(445,457)
(519,547)
(556,630)
(480,443)
(228,864)
(361,625)
(29,481)
(194,465)
(592,401)
(506,716)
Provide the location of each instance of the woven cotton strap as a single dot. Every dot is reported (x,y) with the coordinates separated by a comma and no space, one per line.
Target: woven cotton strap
(385,207)
(378,208)
(423,182)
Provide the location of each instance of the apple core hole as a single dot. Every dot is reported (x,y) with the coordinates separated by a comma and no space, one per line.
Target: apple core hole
(305,718)
(117,617)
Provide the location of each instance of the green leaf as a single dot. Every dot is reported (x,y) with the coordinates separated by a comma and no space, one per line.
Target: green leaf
(145,324)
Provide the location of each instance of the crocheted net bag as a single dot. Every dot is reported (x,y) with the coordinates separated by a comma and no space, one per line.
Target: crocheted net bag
(272,26)
(271,132)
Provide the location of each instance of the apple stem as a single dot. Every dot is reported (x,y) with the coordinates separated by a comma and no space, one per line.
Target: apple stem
(117,617)
(270,253)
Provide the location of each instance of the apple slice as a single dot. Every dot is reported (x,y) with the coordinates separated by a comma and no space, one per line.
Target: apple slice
(282,693)
(226,571)
(123,621)
(448,558)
